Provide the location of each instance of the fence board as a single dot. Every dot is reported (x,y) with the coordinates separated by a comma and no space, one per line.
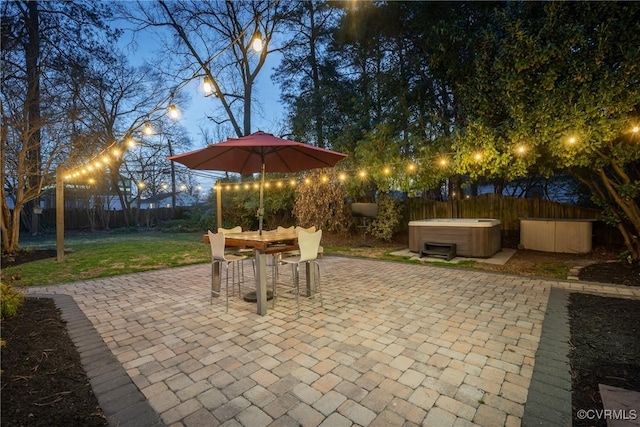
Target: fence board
(507,209)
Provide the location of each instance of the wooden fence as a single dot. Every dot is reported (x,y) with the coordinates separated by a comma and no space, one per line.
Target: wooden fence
(509,210)
(83,219)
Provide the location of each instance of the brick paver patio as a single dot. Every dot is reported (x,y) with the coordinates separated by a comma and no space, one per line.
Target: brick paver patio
(395,344)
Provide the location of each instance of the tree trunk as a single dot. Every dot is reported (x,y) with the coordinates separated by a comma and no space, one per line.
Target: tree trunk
(32,134)
(623,212)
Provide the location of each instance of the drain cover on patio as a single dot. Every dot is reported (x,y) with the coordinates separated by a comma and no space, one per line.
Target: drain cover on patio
(252,297)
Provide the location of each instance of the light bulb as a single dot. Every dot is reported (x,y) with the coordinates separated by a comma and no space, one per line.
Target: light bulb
(173,112)
(257,43)
(207,86)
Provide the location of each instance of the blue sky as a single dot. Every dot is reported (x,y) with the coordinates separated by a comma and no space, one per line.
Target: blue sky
(268,113)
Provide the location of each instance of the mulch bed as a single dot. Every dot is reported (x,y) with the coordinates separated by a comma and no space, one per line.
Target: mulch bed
(605,349)
(43,382)
(617,272)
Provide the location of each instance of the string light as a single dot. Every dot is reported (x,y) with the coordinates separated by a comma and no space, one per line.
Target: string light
(207,86)
(148,130)
(174,113)
(257,43)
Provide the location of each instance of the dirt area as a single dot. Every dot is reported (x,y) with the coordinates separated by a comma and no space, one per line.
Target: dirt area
(604,349)
(43,382)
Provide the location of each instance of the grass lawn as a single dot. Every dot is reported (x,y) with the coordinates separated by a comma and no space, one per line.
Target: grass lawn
(102,255)
(110,254)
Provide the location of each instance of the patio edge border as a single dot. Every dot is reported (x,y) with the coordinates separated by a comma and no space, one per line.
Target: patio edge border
(549,399)
(121,401)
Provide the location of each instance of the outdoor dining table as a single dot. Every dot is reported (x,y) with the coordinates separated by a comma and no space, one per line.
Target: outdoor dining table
(265,243)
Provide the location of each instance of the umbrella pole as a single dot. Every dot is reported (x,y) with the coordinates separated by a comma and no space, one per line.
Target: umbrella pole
(261,208)
(218,204)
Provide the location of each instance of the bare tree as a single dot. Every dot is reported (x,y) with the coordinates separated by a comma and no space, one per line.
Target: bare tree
(122,101)
(213,40)
(41,43)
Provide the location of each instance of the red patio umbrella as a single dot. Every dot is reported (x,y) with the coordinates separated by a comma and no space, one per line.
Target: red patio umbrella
(259,152)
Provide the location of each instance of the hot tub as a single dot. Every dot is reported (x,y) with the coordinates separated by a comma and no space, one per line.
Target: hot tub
(474,238)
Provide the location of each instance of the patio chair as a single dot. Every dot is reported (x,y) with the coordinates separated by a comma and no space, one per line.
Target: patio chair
(309,244)
(297,230)
(218,256)
(277,258)
(238,251)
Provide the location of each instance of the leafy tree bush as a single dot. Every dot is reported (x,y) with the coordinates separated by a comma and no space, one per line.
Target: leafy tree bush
(10,300)
(320,202)
(240,202)
(384,225)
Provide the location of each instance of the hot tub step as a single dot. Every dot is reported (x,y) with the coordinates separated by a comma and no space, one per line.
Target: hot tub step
(447,250)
